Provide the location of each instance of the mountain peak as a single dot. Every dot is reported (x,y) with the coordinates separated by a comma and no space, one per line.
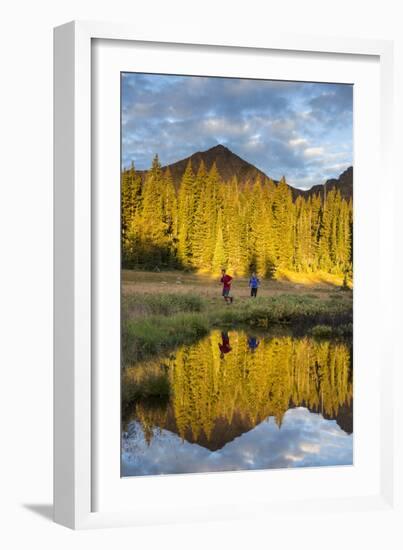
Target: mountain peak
(228,164)
(219,147)
(218,150)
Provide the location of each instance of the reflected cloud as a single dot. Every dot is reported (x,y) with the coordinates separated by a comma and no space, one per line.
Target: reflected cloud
(304,439)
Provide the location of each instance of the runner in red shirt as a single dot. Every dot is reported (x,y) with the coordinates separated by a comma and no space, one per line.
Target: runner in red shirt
(226,281)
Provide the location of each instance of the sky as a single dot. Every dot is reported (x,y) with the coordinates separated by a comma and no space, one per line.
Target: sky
(303,131)
(305,440)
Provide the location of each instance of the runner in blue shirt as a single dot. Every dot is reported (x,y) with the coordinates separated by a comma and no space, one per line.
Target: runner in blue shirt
(254,284)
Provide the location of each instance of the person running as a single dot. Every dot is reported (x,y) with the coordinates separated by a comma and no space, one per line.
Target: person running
(254,284)
(226,281)
(225,345)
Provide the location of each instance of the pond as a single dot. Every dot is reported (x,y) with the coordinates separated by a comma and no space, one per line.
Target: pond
(238,400)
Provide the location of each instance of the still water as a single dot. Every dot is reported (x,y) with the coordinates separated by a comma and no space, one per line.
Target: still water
(239,401)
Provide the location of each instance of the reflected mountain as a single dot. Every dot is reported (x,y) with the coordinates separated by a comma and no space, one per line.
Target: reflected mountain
(214,397)
(344,417)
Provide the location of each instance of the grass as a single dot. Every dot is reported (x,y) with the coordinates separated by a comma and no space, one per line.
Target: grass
(154,324)
(140,305)
(206,286)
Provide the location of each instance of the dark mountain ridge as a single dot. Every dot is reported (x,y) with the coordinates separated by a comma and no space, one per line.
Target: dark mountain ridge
(344,183)
(229,165)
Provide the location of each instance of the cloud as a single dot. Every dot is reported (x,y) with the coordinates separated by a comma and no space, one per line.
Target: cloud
(297,142)
(313,151)
(284,128)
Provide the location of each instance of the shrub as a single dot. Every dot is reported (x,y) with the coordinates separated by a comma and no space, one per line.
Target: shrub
(321,331)
(154,334)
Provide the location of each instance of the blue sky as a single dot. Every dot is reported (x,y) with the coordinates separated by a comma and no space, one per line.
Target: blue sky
(303,131)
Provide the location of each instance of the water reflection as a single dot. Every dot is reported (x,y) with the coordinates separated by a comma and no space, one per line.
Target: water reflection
(253,343)
(224,346)
(239,401)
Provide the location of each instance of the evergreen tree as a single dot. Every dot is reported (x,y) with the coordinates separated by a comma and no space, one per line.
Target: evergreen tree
(153,230)
(213,201)
(200,224)
(231,224)
(219,261)
(325,233)
(170,216)
(255,223)
(283,225)
(130,203)
(266,236)
(186,211)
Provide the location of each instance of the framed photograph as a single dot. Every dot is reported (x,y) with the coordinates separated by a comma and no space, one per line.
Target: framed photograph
(219,243)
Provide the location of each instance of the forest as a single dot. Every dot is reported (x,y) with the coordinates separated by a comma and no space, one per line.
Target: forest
(205,224)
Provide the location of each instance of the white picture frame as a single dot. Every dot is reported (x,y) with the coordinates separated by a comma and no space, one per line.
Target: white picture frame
(79,310)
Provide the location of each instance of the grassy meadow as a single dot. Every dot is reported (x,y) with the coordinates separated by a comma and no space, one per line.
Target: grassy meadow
(161,310)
